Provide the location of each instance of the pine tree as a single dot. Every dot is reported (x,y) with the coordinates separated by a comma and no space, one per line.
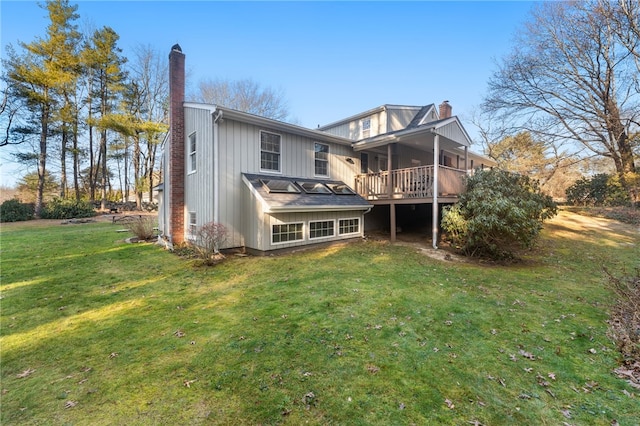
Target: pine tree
(40,73)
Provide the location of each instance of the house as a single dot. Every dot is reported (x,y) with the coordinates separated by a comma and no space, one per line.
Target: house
(275,185)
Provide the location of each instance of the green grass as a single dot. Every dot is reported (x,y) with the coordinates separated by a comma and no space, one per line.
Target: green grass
(364,333)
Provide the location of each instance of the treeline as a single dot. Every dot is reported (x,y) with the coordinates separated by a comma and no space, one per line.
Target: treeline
(72,101)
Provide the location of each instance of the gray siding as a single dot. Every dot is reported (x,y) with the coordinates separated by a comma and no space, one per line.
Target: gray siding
(399,118)
(239,152)
(198,194)
(353,129)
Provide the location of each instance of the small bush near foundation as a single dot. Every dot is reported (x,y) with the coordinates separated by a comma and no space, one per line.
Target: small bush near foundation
(15,211)
(209,238)
(143,227)
(625,316)
(61,208)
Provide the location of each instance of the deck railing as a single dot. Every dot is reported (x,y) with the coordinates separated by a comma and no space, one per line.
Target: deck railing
(413,182)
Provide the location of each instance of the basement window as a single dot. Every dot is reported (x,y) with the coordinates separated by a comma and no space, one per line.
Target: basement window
(321,229)
(279,186)
(349,226)
(287,232)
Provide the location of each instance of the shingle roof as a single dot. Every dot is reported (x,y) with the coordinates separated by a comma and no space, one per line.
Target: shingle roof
(302,201)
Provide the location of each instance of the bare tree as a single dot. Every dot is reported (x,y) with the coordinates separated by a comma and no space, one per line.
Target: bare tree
(570,79)
(244,95)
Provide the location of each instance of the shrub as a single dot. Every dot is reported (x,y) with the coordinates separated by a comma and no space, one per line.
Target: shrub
(209,239)
(15,211)
(143,227)
(61,208)
(499,213)
(599,190)
(625,315)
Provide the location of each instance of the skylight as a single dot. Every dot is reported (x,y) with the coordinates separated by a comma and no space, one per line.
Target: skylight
(314,187)
(341,189)
(280,185)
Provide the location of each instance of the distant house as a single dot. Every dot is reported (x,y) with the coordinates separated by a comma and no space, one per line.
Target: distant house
(275,185)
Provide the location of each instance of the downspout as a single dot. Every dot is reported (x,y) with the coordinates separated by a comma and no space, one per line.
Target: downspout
(217,115)
(436,165)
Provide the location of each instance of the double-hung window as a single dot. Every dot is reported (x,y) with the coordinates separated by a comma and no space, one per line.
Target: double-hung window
(193,227)
(192,152)
(270,151)
(321,156)
(366,128)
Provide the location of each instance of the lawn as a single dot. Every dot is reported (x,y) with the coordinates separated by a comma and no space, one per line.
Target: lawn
(98,331)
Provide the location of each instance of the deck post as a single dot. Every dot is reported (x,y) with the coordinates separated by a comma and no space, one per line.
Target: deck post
(392,220)
(436,166)
(466,159)
(389,177)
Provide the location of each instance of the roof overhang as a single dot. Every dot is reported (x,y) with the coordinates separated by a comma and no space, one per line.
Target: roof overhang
(450,130)
(299,203)
(232,114)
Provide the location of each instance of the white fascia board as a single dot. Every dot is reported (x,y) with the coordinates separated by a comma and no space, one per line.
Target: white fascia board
(282,126)
(368,113)
(198,105)
(452,120)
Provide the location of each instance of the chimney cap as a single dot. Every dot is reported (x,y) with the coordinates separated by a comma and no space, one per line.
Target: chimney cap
(176,47)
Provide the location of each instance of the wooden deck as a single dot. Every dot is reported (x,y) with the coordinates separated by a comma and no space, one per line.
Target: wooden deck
(411,185)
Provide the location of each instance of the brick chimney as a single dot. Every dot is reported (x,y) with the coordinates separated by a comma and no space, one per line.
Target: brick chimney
(176,144)
(445,110)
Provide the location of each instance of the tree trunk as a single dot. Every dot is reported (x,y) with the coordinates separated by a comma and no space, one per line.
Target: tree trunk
(63,162)
(42,159)
(76,159)
(103,169)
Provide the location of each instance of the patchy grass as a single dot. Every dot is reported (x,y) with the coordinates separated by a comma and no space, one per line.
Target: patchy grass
(96,331)
(628,215)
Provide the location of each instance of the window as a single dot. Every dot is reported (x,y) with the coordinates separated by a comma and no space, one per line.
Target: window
(314,187)
(341,189)
(280,185)
(366,128)
(192,152)
(321,155)
(349,226)
(321,229)
(192,224)
(287,232)
(364,162)
(269,151)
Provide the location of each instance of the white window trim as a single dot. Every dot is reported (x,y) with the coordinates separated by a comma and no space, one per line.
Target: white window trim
(363,130)
(325,237)
(194,153)
(192,226)
(350,233)
(280,163)
(327,160)
(290,241)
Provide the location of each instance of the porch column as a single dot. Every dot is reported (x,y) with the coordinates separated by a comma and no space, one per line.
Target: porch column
(466,159)
(392,221)
(436,165)
(389,163)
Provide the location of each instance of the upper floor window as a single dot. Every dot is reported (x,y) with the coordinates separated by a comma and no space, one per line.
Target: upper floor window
(269,151)
(366,128)
(192,152)
(321,155)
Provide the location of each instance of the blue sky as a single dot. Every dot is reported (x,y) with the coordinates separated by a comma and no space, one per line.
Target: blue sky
(331,59)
